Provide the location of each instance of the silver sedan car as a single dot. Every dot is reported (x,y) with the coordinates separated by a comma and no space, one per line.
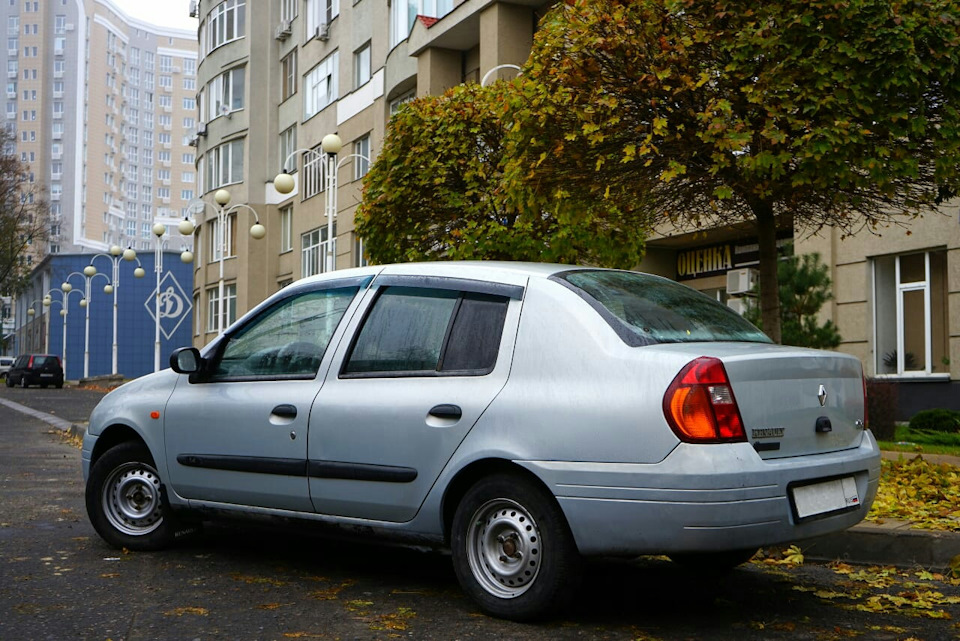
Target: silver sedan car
(524,416)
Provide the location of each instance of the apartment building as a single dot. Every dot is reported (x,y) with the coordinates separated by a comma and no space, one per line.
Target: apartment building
(275,77)
(103,107)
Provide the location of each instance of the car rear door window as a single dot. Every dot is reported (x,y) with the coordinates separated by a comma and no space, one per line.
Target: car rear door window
(287,340)
(423,332)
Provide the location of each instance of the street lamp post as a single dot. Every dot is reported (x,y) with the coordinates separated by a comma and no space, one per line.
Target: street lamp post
(487,75)
(257,231)
(89,273)
(284,184)
(64,302)
(116,254)
(159,230)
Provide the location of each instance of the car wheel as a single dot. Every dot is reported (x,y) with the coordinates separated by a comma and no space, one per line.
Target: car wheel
(23,381)
(59,385)
(124,501)
(714,562)
(513,552)
(9,382)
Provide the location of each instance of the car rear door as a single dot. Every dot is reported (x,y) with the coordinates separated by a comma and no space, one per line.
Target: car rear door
(426,359)
(237,434)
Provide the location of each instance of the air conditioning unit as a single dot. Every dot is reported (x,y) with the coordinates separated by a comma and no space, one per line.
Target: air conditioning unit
(323,31)
(202,129)
(739,305)
(741,281)
(69,27)
(194,141)
(193,9)
(284,29)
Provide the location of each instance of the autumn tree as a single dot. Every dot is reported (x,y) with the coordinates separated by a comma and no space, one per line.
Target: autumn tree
(23,218)
(437,191)
(810,112)
(804,288)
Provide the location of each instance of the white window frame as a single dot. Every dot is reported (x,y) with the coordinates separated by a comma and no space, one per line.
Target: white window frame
(321,86)
(901,289)
(225,23)
(286,229)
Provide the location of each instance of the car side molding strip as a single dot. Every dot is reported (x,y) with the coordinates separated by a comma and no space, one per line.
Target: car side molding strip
(300,467)
(361,472)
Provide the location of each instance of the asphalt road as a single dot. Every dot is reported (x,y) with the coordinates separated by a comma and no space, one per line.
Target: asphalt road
(58,580)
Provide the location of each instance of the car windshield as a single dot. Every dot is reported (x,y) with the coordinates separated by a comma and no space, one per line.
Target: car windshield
(646,309)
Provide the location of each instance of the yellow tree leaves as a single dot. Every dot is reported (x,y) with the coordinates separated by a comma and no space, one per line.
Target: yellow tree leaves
(915,490)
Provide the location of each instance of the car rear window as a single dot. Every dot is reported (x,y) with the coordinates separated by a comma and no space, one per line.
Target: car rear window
(645,309)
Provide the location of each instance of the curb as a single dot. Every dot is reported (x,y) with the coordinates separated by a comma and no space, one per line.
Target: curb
(889,543)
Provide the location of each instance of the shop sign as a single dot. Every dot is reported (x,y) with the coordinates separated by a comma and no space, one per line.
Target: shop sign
(704,261)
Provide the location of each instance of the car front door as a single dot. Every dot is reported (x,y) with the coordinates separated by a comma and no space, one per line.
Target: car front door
(236,432)
(428,357)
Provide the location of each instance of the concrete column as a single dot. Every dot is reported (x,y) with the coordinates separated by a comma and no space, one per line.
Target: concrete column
(438,70)
(506,36)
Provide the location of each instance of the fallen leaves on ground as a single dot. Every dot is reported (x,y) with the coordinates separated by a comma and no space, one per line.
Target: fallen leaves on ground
(916,490)
(179,612)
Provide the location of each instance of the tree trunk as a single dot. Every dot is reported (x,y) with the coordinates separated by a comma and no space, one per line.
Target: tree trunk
(769,282)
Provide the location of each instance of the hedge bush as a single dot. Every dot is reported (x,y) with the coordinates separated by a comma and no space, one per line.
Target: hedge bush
(936,420)
(882,401)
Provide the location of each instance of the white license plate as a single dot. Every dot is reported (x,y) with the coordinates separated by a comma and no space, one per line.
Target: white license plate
(822,498)
(46,375)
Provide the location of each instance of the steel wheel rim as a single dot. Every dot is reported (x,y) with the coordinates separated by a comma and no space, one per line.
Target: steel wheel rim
(503,548)
(131,499)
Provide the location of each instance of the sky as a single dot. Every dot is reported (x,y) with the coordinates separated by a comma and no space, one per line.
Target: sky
(166,13)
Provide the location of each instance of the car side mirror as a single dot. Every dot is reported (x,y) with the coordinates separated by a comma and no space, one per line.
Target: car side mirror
(186,360)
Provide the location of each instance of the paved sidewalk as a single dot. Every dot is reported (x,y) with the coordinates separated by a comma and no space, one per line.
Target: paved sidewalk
(890,543)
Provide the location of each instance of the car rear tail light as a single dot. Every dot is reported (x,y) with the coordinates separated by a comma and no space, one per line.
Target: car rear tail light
(30,364)
(699,404)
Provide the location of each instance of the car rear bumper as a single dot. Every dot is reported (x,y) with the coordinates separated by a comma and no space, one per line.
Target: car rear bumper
(703,498)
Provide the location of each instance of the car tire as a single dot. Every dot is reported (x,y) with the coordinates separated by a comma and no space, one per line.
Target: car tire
(513,552)
(125,502)
(9,382)
(713,563)
(59,385)
(23,382)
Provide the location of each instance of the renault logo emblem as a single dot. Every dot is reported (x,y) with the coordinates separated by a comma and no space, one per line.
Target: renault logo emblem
(822,395)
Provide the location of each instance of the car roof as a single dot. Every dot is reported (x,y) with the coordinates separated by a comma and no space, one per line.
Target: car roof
(497,271)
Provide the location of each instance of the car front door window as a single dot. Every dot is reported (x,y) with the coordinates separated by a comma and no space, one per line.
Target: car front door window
(287,341)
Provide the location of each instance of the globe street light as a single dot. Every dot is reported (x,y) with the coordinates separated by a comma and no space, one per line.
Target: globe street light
(257,231)
(89,273)
(284,183)
(117,254)
(65,290)
(159,231)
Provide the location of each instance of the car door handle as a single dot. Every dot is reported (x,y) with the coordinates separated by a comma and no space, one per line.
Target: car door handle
(446,411)
(285,411)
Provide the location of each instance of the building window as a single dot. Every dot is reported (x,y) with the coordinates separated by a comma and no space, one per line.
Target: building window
(361,162)
(321,86)
(910,314)
(229,239)
(288,144)
(319,13)
(224,165)
(288,72)
(288,10)
(361,66)
(286,229)
(359,257)
(225,23)
(403,15)
(313,172)
(313,251)
(213,307)
(225,93)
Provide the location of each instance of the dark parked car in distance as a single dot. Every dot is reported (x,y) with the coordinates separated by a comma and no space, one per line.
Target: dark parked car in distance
(36,369)
(5,363)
